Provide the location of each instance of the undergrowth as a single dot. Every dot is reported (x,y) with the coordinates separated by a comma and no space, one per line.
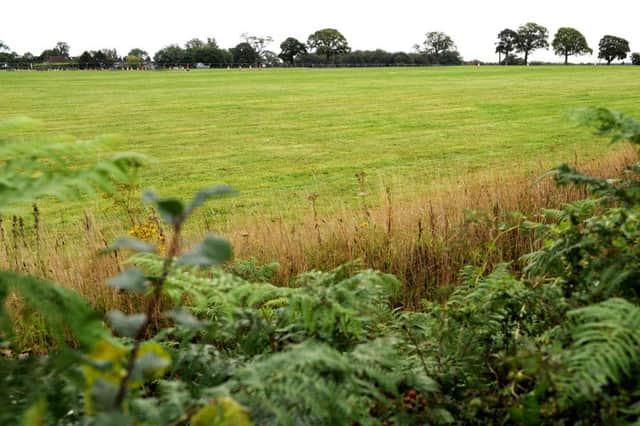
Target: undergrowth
(557,344)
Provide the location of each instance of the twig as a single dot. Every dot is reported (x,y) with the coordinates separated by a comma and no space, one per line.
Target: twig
(151,308)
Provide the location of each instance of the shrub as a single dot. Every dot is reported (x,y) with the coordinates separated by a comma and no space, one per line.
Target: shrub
(557,345)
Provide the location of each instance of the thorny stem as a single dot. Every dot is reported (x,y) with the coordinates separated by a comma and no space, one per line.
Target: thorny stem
(151,309)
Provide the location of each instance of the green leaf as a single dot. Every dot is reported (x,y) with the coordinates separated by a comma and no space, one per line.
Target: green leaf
(131,279)
(131,244)
(207,193)
(171,209)
(126,325)
(62,310)
(103,395)
(36,414)
(182,317)
(212,251)
(151,363)
(112,418)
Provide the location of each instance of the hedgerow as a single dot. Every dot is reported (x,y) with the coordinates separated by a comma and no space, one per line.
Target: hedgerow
(216,344)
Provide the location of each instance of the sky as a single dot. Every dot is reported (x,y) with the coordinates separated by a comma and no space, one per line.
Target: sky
(35,25)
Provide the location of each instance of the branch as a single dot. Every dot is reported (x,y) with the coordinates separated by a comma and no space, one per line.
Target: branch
(151,309)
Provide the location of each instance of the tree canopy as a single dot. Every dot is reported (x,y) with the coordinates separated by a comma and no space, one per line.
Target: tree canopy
(569,42)
(136,57)
(436,43)
(61,49)
(438,48)
(328,42)
(245,54)
(612,48)
(259,45)
(506,44)
(290,48)
(169,56)
(531,36)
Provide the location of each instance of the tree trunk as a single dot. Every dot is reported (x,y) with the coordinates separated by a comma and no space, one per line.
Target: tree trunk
(566,58)
(526,58)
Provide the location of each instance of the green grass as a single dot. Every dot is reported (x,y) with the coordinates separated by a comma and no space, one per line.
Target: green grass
(278,135)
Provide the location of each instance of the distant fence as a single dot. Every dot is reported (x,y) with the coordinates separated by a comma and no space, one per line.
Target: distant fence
(190,66)
(181,66)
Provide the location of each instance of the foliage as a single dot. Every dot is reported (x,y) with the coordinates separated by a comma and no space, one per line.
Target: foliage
(569,42)
(635,58)
(195,51)
(245,54)
(612,48)
(507,40)
(531,36)
(259,45)
(438,45)
(290,49)
(558,344)
(328,42)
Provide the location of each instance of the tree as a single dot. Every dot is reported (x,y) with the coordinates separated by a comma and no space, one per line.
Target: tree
(85,60)
(568,42)
(531,36)
(258,43)
(142,55)
(506,44)
(169,56)
(212,43)
(61,49)
(401,58)
(635,58)
(437,44)
(612,48)
(194,43)
(134,61)
(270,58)
(244,54)
(290,48)
(109,57)
(6,55)
(328,42)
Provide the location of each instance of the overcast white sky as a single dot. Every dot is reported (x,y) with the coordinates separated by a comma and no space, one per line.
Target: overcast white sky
(34,25)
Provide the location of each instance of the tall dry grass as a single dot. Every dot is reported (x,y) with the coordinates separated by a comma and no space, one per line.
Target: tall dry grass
(424,239)
(427,239)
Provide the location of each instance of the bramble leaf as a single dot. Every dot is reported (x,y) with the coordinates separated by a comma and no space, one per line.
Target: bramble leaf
(131,279)
(131,244)
(126,325)
(212,251)
(205,194)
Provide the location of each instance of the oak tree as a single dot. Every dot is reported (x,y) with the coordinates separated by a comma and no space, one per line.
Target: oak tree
(569,42)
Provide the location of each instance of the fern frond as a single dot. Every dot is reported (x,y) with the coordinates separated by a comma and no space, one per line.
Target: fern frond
(605,349)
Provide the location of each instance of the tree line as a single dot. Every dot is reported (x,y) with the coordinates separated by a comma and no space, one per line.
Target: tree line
(566,42)
(327,47)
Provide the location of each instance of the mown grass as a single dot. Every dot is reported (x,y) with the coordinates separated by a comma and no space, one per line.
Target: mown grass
(450,154)
(279,135)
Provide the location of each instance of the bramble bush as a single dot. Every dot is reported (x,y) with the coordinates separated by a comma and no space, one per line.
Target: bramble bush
(218,344)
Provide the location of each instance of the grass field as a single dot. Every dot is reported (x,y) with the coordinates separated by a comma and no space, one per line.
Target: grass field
(279,135)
